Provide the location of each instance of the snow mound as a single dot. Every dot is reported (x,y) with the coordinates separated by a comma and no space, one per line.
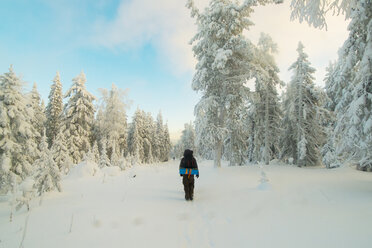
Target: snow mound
(111,171)
(27,185)
(84,169)
(263,186)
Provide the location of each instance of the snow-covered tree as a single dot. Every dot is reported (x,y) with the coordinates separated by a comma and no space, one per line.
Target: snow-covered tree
(112,121)
(54,110)
(47,176)
(303,135)
(353,129)
(28,193)
(267,115)
(314,12)
(36,112)
(167,145)
(159,138)
(148,134)
(187,140)
(223,54)
(135,141)
(78,119)
(95,152)
(18,148)
(104,161)
(60,153)
(236,143)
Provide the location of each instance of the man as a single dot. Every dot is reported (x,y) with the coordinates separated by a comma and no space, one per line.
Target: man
(189,163)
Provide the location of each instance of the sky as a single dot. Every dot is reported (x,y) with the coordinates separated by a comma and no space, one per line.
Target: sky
(139,45)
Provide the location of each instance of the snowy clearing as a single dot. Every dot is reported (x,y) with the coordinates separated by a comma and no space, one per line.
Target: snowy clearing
(144,206)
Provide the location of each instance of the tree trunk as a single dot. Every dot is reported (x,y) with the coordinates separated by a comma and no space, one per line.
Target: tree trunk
(300,123)
(267,145)
(218,154)
(219,142)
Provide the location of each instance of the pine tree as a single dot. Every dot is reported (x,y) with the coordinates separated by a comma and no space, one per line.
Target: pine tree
(148,133)
(314,12)
(61,153)
(135,146)
(18,149)
(167,145)
(112,121)
(78,119)
(236,144)
(302,100)
(159,138)
(267,109)
(135,140)
(54,110)
(47,176)
(37,113)
(223,66)
(104,160)
(353,129)
(95,152)
(187,140)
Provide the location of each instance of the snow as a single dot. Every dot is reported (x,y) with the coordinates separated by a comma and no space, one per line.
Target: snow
(83,170)
(144,206)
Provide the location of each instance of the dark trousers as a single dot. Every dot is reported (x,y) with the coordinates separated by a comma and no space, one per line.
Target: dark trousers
(188,185)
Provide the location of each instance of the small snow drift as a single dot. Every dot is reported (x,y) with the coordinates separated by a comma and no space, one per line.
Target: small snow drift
(84,169)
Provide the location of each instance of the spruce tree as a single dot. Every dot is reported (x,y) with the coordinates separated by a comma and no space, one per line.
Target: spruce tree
(135,136)
(223,66)
(61,153)
(267,109)
(112,121)
(47,176)
(353,128)
(54,110)
(167,145)
(78,119)
(104,161)
(18,148)
(302,103)
(37,113)
(159,138)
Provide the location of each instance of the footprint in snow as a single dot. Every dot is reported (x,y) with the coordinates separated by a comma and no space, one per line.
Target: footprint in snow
(138,221)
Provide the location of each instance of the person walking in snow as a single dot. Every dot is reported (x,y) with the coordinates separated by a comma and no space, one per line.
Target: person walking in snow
(189,163)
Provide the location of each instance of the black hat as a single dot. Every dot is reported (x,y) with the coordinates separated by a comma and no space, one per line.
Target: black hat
(187,153)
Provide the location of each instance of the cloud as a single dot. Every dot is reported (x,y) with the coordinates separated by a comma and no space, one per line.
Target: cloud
(167,25)
(164,23)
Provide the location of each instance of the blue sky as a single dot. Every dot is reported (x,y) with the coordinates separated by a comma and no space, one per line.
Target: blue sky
(140,45)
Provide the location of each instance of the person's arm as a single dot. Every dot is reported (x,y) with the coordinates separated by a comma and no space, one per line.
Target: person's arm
(196,165)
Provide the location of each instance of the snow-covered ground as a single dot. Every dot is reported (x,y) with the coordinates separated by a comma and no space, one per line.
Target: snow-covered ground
(144,207)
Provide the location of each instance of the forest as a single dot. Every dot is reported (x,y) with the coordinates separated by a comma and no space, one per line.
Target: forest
(294,122)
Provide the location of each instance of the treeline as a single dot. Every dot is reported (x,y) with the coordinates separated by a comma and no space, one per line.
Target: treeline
(306,125)
(38,144)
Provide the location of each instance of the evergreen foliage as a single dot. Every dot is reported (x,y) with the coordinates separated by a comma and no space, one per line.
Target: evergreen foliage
(47,176)
(111,123)
(303,134)
(223,66)
(18,148)
(54,110)
(37,113)
(267,113)
(78,119)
